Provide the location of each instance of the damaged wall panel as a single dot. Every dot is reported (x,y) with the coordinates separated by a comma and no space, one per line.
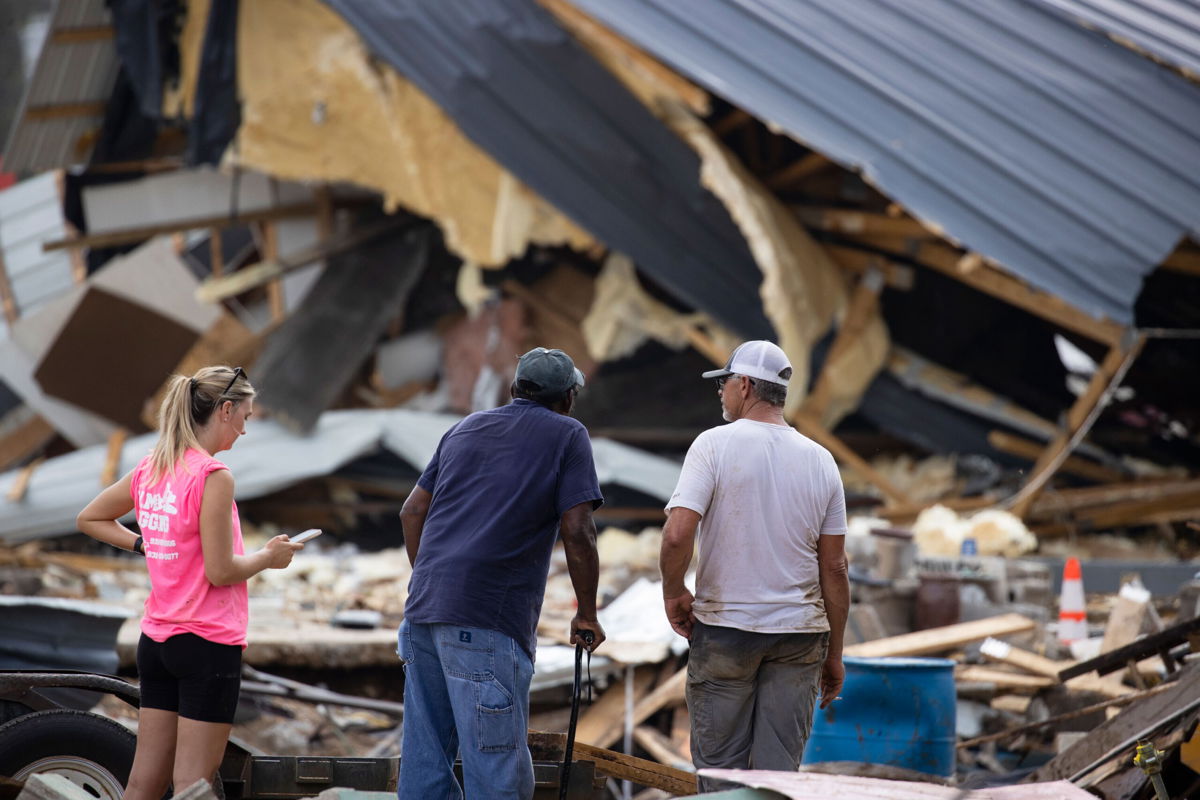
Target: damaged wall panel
(317,106)
(309,359)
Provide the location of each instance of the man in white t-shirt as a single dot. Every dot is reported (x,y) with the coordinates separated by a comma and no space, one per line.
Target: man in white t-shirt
(772,592)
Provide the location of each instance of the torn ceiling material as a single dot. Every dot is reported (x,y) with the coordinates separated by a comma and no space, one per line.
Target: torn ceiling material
(980,118)
(518,85)
(348,118)
(1167,31)
(270,457)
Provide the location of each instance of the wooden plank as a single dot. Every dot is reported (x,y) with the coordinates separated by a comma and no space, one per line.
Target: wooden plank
(64,111)
(639,770)
(604,721)
(669,693)
(1185,260)
(863,305)
(220,288)
(939,640)
(1079,420)
(130,235)
(731,122)
(81,34)
(16,492)
(1003,680)
(660,746)
(270,252)
(1004,653)
(112,458)
(841,220)
(216,254)
(641,63)
(1021,447)
(1002,285)
(798,170)
(24,438)
(852,259)
(8,301)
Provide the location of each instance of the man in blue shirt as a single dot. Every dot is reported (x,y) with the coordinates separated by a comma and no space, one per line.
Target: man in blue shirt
(479,529)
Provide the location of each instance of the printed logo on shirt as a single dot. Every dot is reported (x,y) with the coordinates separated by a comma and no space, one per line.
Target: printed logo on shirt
(151,521)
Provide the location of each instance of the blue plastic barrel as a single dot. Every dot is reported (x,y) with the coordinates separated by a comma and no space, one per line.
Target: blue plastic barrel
(897,711)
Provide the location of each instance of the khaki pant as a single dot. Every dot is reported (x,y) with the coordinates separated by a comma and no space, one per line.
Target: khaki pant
(751,698)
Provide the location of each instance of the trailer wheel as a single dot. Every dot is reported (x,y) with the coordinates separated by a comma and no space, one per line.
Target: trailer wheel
(91,751)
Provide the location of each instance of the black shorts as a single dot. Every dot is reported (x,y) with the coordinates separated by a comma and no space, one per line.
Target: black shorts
(191,676)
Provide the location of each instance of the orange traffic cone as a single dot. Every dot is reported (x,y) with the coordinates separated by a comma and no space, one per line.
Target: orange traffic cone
(1072,610)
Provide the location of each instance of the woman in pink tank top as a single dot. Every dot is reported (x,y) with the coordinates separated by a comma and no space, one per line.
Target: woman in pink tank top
(194,626)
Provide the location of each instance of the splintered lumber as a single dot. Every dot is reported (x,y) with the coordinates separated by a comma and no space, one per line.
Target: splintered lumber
(1024,448)
(1080,419)
(1006,681)
(639,770)
(1134,720)
(1003,652)
(546,746)
(659,745)
(602,723)
(28,434)
(939,640)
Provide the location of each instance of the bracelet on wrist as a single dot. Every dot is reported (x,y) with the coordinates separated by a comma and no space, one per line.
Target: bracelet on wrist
(139,546)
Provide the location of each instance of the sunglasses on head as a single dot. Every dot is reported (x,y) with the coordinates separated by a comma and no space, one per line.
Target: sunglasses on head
(238,372)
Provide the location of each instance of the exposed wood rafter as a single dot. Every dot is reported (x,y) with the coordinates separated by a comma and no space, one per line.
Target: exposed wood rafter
(1079,420)
(129,235)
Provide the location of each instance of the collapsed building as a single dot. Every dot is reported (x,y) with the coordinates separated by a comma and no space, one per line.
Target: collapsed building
(972,228)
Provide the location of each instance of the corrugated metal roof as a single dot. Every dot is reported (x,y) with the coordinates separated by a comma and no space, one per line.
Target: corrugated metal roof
(1165,30)
(522,89)
(68,72)
(1020,134)
(31,213)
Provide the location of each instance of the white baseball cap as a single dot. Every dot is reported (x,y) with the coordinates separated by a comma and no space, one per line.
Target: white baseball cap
(758,359)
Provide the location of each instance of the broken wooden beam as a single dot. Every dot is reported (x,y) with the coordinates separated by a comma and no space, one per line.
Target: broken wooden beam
(1001,285)
(1154,644)
(1080,419)
(1021,447)
(939,640)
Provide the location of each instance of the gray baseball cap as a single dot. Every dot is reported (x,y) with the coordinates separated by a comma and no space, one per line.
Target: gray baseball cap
(552,371)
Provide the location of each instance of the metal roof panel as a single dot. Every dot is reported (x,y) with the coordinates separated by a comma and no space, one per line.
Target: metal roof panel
(1015,131)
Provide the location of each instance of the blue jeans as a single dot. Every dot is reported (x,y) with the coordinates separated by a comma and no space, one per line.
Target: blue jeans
(465,689)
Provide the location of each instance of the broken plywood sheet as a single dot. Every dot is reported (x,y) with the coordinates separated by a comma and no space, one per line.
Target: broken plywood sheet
(803,292)
(316,106)
(812,786)
(309,359)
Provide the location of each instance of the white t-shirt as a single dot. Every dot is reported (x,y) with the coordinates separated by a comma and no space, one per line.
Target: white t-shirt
(765,493)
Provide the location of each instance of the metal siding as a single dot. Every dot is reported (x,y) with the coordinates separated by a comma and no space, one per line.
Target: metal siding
(1021,135)
(29,215)
(83,72)
(520,87)
(1166,30)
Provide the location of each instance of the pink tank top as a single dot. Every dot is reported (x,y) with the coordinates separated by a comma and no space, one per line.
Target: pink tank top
(181,598)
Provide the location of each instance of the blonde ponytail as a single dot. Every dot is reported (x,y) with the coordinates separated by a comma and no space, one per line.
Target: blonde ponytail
(187,406)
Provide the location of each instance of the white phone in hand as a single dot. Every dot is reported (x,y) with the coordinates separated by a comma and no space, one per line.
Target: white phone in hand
(301,538)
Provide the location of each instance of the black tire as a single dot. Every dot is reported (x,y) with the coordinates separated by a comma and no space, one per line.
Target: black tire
(91,751)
